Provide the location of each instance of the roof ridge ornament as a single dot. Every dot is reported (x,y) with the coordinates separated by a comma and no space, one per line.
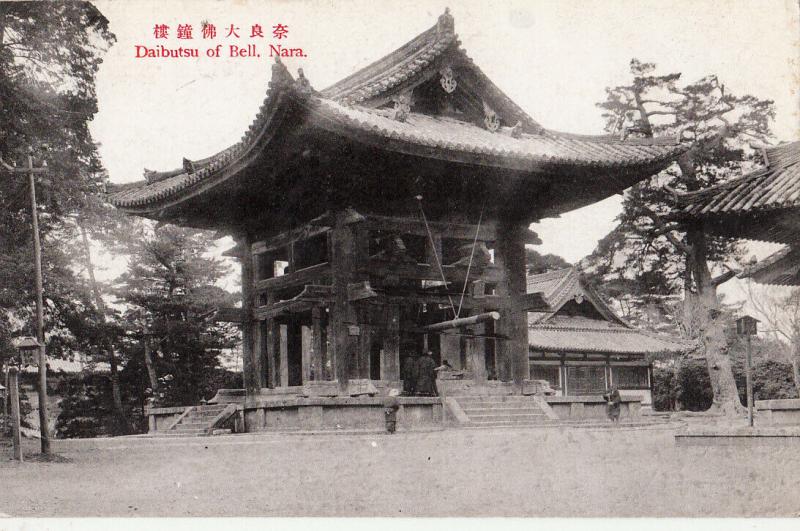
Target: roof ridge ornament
(302,84)
(188,165)
(281,78)
(448,80)
(445,23)
(402,105)
(490,118)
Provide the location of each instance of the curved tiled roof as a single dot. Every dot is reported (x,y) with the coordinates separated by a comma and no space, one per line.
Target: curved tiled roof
(577,334)
(346,108)
(781,268)
(777,186)
(562,285)
(554,332)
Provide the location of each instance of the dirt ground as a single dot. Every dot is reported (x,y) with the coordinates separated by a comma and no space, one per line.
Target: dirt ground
(569,471)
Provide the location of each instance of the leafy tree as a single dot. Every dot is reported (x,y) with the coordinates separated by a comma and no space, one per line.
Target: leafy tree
(542,263)
(663,254)
(170,293)
(49,55)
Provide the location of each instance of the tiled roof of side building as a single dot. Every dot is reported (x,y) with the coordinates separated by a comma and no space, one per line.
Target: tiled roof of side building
(781,268)
(776,186)
(577,334)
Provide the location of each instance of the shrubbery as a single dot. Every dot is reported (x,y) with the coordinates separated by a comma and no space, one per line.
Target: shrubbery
(691,387)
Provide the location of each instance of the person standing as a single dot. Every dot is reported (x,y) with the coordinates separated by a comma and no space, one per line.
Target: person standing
(410,373)
(614,401)
(390,406)
(426,375)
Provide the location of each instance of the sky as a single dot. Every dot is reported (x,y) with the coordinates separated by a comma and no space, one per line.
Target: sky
(553,58)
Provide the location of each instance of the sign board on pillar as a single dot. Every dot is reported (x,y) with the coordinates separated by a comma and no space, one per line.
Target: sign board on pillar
(353,330)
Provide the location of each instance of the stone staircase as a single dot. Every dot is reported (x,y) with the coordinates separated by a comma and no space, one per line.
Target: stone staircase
(497,411)
(197,421)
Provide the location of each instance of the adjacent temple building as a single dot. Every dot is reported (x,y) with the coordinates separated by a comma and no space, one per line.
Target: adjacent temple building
(387,215)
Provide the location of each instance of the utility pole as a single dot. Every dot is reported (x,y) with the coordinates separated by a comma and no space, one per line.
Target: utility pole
(37,254)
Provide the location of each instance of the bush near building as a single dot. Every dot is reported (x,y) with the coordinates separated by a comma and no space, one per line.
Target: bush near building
(691,387)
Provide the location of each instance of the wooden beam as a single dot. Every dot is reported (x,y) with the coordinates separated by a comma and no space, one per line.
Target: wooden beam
(487,233)
(308,275)
(463,321)
(456,274)
(357,291)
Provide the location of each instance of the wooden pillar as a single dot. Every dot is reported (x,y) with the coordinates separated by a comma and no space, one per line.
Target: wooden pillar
(343,314)
(251,358)
(283,351)
(364,350)
(450,347)
(390,354)
(306,352)
(476,352)
(510,257)
(273,353)
(317,343)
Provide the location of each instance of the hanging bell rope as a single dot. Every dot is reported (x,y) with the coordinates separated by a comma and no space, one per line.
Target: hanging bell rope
(471,256)
(435,254)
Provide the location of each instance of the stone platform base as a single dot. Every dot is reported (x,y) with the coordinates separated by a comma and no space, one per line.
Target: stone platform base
(739,436)
(777,412)
(336,413)
(592,407)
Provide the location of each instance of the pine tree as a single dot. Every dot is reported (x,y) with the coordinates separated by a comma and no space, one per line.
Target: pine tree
(661,253)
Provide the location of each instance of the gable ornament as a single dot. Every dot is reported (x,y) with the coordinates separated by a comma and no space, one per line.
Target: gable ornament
(448,81)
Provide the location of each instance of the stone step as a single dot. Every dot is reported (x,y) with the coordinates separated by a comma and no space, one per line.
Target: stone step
(492,397)
(191,425)
(506,424)
(510,417)
(198,418)
(178,429)
(499,407)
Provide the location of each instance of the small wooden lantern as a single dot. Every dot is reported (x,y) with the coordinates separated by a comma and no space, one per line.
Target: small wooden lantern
(29,350)
(747,326)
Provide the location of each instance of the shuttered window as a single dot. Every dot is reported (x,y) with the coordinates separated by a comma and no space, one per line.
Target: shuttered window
(629,377)
(586,380)
(548,373)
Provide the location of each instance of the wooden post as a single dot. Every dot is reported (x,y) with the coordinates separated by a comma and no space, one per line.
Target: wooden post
(749,382)
(343,314)
(251,360)
(15,413)
(273,353)
(510,256)
(284,355)
(37,253)
(305,352)
(364,350)
(316,343)
(391,345)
